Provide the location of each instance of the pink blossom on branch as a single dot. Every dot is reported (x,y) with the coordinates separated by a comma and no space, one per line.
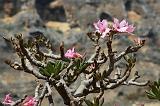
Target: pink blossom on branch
(8,100)
(30,101)
(72,54)
(102,27)
(122,26)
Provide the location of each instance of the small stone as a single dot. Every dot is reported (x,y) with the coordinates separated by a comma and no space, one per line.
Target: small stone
(61,26)
(133,16)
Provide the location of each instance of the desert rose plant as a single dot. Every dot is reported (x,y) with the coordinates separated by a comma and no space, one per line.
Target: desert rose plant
(62,71)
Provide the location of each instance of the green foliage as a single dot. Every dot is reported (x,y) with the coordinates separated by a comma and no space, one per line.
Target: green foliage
(95,102)
(154,92)
(79,65)
(52,68)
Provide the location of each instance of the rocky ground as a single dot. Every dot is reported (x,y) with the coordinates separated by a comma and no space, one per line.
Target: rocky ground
(68,21)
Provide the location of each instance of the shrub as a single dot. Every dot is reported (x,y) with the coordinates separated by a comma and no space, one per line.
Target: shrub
(62,70)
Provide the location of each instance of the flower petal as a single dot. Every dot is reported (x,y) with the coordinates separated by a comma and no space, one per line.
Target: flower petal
(8,100)
(130,28)
(102,27)
(72,54)
(116,21)
(123,29)
(123,23)
(122,26)
(104,23)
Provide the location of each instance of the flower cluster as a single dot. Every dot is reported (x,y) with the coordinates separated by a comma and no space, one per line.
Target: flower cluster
(72,54)
(29,101)
(104,29)
(8,100)
(117,26)
(122,26)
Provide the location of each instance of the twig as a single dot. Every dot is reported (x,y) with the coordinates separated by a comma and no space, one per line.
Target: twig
(95,55)
(120,81)
(28,54)
(134,82)
(37,90)
(49,94)
(129,49)
(29,69)
(44,91)
(83,86)
(14,65)
(111,58)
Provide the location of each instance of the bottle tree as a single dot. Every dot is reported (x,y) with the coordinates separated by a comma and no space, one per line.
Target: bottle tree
(61,71)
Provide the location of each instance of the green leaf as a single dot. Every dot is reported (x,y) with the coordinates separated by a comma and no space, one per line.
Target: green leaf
(154,90)
(50,68)
(62,66)
(44,72)
(81,65)
(151,95)
(57,68)
(78,63)
(41,70)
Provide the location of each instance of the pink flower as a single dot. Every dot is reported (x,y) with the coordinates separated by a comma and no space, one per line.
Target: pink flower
(8,100)
(72,54)
(102,27)
(30,101)
(122,26)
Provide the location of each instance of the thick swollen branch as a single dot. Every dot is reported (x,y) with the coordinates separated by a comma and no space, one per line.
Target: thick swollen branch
(131,82)
(27,53)
(134,82)
(63,90)
(29,69)
(130,49)
(46,92)
(50,54)
(95,55)
(50,100)
(85,83)
(40,97)
(121,80)
(111,58)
